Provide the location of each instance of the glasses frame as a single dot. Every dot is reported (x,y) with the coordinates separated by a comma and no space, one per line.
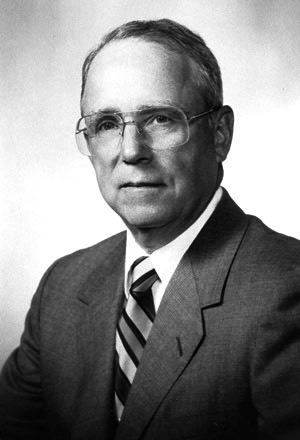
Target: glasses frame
(188,119)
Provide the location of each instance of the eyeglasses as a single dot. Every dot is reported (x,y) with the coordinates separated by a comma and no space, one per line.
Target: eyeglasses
(159,127)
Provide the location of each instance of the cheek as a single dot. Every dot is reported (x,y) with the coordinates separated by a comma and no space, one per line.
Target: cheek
(103,165)
(103,174)
(180,164)
(194,172)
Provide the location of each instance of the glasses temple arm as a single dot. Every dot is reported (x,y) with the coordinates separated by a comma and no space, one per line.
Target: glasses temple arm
(199,115)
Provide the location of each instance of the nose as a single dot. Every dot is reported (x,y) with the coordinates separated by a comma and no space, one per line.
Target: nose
(134,148)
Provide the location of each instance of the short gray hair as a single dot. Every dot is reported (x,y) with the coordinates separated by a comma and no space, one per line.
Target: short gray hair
(176,38)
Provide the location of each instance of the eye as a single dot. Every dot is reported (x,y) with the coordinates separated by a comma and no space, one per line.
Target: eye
(106,124)
(164,117)
(160,119)
(103,124)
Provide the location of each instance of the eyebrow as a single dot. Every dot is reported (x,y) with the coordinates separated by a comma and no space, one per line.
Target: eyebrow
(141,107)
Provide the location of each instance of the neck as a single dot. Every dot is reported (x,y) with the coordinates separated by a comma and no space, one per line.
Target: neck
(150,239)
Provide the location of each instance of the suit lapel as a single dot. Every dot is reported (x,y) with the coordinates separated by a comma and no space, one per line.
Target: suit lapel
(213,252)
(101,301)
(179,329)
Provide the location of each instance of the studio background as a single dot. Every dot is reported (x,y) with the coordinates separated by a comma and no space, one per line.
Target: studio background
(50,203)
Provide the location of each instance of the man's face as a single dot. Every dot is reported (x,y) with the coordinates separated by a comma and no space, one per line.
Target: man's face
(164,190)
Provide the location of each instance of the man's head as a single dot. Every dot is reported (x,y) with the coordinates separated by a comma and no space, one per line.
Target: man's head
(157,184)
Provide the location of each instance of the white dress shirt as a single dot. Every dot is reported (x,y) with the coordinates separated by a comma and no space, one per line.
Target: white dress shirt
(166,259)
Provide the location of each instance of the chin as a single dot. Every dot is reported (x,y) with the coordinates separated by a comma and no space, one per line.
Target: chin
(145,220)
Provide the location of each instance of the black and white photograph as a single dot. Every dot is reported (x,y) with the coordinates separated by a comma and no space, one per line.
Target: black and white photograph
(150,220)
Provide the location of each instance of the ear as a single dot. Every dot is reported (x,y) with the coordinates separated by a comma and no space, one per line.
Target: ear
(223,132)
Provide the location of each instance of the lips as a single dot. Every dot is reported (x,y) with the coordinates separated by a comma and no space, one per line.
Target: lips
(141,184)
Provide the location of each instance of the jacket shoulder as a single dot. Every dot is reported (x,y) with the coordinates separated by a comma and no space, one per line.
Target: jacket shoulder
(70,273)
(267,269)
(92,255)
(270,246)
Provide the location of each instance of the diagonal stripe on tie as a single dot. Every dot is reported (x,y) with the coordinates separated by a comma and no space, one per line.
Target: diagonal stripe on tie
(125,360)
(141,321)
(122,385)
(144,282)
(130,344)
(147,305)
(133,328)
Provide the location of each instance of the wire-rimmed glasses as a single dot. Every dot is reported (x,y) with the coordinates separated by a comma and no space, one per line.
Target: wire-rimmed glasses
(159,127)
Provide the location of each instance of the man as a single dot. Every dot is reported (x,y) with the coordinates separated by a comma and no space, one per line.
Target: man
(187,326)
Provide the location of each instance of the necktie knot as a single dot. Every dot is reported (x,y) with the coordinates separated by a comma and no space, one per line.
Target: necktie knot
(143,277)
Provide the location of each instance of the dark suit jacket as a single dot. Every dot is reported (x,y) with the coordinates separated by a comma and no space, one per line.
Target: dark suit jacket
(222,360)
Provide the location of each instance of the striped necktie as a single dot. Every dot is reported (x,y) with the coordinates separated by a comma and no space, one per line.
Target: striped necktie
(133,328)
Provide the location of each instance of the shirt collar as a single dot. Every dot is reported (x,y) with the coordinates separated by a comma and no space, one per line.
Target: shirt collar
(166,259)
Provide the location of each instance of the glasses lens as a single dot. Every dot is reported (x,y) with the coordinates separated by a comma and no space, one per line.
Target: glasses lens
(167,127)
(104,126)
(97,130)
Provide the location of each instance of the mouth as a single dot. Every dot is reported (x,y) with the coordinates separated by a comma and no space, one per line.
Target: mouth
(141,185)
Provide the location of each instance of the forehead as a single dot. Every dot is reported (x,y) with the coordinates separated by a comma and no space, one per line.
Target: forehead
(130,73)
